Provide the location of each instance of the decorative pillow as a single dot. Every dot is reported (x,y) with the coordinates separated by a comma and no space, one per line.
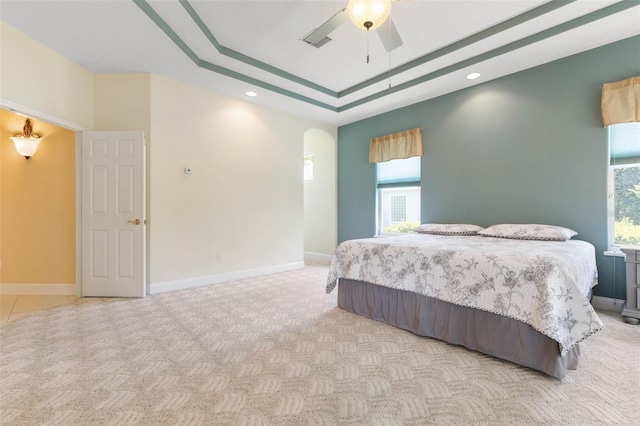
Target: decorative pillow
(448,229)
(529,232)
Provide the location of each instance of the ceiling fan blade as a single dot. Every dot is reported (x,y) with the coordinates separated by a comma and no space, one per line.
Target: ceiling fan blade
(389,35)
(323,30)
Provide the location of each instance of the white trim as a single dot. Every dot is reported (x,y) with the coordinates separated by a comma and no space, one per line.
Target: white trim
(78,173)
(610,204)
(613,253)
(162,287)
(43,289)
(43,116)
(321,258)
(390,234)
(607,304)
(613,248)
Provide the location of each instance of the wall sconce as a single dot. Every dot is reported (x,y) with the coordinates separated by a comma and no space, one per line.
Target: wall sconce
(26,143)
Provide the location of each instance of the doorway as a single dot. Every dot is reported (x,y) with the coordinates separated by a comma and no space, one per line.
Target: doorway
(37,210)
(320,196)
(48,126)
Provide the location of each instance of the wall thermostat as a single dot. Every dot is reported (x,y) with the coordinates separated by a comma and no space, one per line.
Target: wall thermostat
(187,170)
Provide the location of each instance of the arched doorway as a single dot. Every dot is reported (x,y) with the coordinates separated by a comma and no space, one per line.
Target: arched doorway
(320,196)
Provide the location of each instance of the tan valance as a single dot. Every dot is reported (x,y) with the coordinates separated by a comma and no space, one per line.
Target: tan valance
(397,145)
(621,101)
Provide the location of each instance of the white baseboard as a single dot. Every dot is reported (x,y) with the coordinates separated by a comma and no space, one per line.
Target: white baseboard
(161,287)
(607,304)
(41,289)
(322,259)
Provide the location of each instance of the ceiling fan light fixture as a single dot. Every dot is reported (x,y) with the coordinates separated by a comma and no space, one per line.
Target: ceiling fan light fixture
(368,14)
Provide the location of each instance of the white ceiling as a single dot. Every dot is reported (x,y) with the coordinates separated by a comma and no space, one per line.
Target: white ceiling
(259,45)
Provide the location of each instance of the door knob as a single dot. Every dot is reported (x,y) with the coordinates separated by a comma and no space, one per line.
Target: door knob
(135,222)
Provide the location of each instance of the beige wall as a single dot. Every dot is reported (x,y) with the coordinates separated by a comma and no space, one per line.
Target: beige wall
(121,101)
(244,198)
(36,77)
(38,205)
(320,194)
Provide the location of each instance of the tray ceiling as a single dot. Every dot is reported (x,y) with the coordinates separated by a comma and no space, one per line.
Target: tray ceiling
(237,46)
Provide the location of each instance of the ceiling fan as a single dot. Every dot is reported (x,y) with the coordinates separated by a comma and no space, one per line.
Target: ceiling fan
(366,15)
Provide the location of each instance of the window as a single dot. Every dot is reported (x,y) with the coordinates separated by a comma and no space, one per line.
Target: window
(398,200)
(398,208)
(308,167)
(624,185)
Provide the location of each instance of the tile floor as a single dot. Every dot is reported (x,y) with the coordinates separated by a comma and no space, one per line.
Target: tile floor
(14,306)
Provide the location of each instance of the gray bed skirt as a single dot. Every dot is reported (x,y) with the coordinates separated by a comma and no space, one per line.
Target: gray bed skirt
(485,332)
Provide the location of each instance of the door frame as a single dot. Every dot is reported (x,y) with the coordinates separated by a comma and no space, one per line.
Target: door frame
(78,129)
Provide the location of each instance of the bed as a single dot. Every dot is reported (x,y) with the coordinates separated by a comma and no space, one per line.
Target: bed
(523,301)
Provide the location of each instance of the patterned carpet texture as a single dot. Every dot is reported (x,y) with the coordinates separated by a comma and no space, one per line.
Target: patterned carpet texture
(276,350)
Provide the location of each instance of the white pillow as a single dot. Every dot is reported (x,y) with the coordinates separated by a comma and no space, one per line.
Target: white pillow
(529,231)
(447,229)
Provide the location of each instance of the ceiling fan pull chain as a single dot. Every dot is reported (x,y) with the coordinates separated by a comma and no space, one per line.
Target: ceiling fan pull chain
(389,71)
(367,45)
(389,56)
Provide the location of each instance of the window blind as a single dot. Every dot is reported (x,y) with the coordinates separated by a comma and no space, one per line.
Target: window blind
(624,144)
(399,173)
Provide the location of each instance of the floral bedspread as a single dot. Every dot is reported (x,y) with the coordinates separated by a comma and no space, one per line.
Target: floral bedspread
(542,283)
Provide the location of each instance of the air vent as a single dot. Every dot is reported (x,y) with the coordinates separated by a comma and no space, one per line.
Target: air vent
(319,43)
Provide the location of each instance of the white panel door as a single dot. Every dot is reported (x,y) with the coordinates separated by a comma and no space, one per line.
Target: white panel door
(113,214)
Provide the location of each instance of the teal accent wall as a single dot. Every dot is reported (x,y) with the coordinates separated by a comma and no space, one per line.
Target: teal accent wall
(525,148)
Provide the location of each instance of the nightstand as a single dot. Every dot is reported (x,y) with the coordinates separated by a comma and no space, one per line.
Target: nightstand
(631,309)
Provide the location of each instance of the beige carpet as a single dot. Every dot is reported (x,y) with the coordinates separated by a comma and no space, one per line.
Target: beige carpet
(276,350)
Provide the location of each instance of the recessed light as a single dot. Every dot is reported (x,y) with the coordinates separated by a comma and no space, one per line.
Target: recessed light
(252,94)
(473,76)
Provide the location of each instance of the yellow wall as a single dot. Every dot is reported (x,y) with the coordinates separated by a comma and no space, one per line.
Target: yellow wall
(1,156)
(38,205)
(34,76)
